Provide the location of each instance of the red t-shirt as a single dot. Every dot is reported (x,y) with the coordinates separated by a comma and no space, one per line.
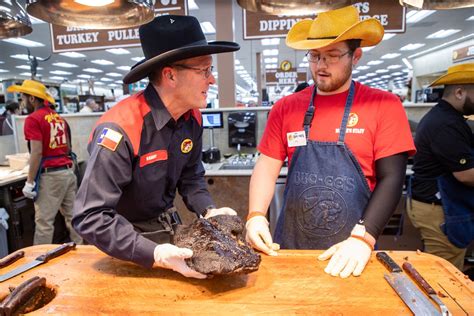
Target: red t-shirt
(47,126)
(377,126)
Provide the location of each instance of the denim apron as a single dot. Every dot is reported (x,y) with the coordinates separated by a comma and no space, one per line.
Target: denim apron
(326,191)
(458,207)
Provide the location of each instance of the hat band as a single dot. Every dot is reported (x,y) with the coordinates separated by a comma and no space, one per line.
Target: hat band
(321,38)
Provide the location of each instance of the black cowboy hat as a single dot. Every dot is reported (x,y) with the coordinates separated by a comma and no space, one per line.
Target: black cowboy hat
(169,38)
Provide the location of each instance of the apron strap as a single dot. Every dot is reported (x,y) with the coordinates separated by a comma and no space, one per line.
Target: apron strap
(347,111)
(308,116)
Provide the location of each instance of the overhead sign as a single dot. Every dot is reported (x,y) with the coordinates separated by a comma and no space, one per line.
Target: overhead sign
(66,39)
(463,53)
(291,77)
(389,12)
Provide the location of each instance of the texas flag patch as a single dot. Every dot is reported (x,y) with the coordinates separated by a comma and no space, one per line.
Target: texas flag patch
(109,139)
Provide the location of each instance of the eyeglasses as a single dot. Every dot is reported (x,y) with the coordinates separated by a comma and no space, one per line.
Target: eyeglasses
(206,71)
(329,59)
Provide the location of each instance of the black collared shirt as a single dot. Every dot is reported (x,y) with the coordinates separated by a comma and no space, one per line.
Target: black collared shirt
(444,144)
(139,156)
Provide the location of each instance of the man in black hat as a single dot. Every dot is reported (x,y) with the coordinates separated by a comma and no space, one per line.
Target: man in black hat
(149,145)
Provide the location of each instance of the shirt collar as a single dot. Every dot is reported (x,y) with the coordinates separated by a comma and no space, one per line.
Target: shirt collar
(445,105)
(160,114)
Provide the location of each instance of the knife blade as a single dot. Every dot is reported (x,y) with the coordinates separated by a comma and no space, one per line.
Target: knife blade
(411,271)
(39,260)
(408,292)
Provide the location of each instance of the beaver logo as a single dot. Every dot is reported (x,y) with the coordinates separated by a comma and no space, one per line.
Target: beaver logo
(353,120)
(324,212)
(186,146)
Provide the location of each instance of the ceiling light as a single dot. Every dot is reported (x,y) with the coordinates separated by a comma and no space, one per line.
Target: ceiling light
(303,65)
(362,77)
(460,39)
(366,49)
(407,63)
(271,66)
(98,83)
(126,68)
(92,70)
(14,21)
(118,51)
(208,28)
(394,66)
(114,74)
(192,5)
(437,4)
(20,56)
(57,78)
(354,72)
(72,55)
(385,77)
(236,62)
(23,42)
(4,70)
(412,46)
(398,73)
(375,62)
(239,67)
(102,62)
(294,7)
(443,33)
(388,36)
(390,56)
(382,71)
(106,79)
(270,52)
(416,16)
(113,15)
(94,3)
(471,18)
(84,76)
(60,72)
(137,59)
(271,60)
(28,74)
(362,67)
(371,74)
(270,41)
(65,65)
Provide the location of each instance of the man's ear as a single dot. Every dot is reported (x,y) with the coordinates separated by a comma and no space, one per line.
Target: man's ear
(357,55)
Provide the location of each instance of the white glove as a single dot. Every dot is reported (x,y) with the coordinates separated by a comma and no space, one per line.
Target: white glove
(258,235)
(220,211)
(348,257)
(29,190)
(169,256)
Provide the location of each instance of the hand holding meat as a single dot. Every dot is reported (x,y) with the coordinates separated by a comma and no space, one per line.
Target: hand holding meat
(258,235)
(347,257)
(171,257)
(219,211)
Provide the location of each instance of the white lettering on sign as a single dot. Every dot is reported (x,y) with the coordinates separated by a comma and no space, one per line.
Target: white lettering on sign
(123,35)
(289,74)
(383,18)
(79,38)
(363,7)
(277,25)
(169,2)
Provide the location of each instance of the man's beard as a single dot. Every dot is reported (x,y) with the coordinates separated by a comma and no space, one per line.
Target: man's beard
(468,107)
(333,83)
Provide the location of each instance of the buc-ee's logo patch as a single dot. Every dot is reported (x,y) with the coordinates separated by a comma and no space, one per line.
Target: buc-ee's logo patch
(353,120)
(186,146)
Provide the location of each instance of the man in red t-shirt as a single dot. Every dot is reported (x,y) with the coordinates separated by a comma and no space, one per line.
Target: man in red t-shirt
(51,168)
(347,147)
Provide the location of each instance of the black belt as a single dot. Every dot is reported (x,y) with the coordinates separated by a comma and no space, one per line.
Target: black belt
(52,169)
(436,202)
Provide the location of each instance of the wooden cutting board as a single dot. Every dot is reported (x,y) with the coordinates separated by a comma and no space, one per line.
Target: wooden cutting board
(90,282)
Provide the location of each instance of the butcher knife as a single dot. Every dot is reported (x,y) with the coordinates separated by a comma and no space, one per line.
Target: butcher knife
(425,286)
(409,293)
(39,260)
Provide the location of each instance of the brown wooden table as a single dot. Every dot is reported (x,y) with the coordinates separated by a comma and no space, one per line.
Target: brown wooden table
(90,282)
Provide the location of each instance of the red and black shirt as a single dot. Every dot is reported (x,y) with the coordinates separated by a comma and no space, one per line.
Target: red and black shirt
(139,156)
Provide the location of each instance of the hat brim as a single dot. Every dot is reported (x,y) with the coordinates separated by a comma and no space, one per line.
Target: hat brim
(369,31)
(35,93)
(143,68)
(459,77)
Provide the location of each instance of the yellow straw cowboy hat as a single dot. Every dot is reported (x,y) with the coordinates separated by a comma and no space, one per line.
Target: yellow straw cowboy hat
(332,27)
(459,74)
(34,88)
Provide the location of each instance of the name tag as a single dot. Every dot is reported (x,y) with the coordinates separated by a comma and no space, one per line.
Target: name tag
(296,139)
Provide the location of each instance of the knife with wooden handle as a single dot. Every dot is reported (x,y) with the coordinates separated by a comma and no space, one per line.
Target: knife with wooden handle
(411,271)
(8,260)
